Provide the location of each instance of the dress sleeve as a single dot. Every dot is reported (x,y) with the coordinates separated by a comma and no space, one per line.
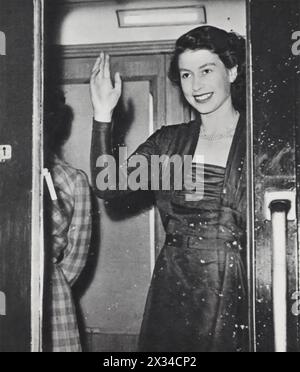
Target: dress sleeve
(102,148)
(79,232)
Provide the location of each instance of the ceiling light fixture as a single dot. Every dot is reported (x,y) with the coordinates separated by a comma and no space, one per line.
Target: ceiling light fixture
(154,17)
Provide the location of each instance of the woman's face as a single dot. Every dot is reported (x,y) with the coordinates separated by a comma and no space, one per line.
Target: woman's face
(205,81)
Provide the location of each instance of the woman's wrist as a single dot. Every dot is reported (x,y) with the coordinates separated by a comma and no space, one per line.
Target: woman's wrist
(103,116)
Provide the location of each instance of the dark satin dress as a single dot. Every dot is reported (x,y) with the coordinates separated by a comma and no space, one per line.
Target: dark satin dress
(197,299)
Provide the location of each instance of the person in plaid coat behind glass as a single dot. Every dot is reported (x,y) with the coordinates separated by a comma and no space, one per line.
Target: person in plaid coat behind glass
(67,232)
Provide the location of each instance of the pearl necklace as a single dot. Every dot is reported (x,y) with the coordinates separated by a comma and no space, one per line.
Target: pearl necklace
(217,137)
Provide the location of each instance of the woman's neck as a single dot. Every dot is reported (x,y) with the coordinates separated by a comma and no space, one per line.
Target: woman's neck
(220,121)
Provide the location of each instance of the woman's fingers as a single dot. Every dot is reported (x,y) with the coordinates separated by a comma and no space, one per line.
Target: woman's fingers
(96,65)
(118,82)
(102,66)
(104,94)
(107,66)
(94,76)
(101,77)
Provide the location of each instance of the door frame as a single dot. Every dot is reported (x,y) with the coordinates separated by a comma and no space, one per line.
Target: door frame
(21,186)
(37,246)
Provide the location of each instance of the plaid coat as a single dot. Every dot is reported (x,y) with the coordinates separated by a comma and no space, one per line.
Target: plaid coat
(68,223)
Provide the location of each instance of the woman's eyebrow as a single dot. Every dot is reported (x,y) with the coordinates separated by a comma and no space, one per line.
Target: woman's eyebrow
(207,65)
(201,67)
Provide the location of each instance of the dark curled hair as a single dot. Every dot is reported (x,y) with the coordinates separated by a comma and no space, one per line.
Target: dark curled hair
(58,119)
(229,46)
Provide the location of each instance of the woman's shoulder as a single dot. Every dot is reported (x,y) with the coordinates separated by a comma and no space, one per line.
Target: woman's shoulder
(180,126)
(169,131)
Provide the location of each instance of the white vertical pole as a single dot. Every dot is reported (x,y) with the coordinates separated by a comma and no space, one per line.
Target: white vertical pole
(37,237)
(279,231)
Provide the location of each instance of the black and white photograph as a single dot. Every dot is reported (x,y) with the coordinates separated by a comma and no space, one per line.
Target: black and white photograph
(150,178)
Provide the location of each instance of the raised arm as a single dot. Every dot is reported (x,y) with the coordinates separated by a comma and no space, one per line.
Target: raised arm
(105,95)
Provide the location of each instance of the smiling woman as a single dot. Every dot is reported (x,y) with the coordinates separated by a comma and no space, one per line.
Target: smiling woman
(197,299)
(221,51)
(204,79)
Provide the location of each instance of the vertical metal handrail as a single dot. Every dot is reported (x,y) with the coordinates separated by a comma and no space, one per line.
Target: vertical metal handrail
(279,217)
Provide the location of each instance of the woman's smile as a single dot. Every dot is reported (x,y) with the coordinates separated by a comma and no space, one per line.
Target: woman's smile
(203,98)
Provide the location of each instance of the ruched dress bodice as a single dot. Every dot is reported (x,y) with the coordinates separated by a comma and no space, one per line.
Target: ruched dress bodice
(201,214)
